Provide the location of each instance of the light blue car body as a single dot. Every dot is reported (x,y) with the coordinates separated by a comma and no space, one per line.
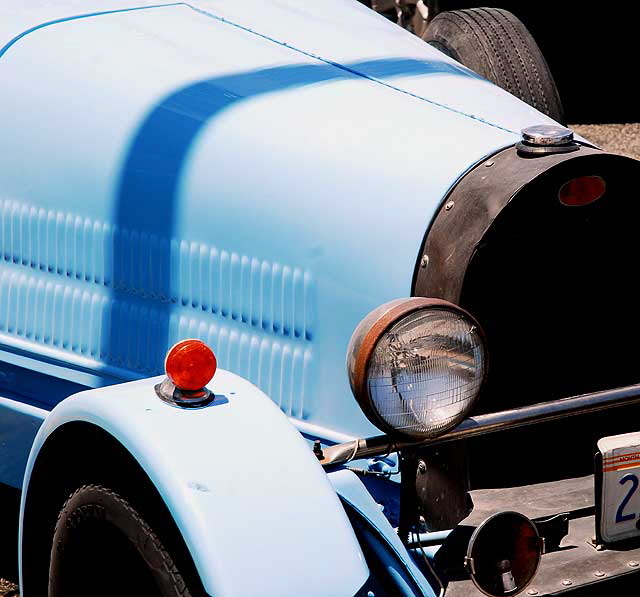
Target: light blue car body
(257,174)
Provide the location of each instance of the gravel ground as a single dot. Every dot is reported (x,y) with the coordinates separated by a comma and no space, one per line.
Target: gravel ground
(8,589)
(617,138)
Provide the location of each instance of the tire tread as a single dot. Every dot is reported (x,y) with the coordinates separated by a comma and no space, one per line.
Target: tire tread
(70,512)
(494,43)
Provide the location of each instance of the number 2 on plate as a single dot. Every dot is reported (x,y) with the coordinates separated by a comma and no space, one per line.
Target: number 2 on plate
(620,516)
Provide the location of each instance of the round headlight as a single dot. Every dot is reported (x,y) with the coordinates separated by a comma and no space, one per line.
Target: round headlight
(416,366)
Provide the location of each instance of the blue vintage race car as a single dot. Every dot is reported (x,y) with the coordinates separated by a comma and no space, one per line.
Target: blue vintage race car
(272,187)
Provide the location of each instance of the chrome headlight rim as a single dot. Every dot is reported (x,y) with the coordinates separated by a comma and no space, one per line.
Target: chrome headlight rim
(365,339)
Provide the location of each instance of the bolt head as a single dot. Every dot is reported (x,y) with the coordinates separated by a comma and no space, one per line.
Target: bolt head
(449,205)
(633,564)
(567,583)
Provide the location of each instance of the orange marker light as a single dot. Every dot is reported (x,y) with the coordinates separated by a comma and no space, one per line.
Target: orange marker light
(582,190)
(190,364)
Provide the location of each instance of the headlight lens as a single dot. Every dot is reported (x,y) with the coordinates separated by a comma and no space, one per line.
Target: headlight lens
(425,364)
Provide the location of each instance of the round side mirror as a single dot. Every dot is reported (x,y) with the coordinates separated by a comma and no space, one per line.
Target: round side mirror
(504,554)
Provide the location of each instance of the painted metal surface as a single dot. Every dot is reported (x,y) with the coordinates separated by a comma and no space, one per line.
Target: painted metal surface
(225,171)
(351,490)
(339,31)
(221,185)
(224,493)
(20,424)
(23,407)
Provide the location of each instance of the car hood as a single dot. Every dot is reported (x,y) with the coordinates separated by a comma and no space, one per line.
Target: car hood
(347,32)
(338,31)
(202,179)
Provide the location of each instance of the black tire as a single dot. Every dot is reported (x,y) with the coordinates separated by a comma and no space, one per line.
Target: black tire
(495,44)
(103,547)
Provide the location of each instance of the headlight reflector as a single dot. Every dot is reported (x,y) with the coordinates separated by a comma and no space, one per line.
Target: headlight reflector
(416,366)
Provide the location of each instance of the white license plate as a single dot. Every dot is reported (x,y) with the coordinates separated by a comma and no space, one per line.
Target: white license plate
(620,487)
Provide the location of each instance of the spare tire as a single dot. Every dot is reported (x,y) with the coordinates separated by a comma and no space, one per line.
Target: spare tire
(496,44)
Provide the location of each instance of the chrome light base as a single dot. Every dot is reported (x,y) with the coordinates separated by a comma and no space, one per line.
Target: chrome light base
(167,391)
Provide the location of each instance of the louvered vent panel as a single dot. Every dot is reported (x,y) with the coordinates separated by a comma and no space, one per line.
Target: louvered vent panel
(121,297)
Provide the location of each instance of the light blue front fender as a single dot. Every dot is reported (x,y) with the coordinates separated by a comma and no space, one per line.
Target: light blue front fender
(252,503)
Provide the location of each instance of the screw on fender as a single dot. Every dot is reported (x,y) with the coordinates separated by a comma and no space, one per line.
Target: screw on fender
(317,450)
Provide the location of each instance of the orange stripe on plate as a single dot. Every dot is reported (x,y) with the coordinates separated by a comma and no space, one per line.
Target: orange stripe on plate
(611,459)
(622,467)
